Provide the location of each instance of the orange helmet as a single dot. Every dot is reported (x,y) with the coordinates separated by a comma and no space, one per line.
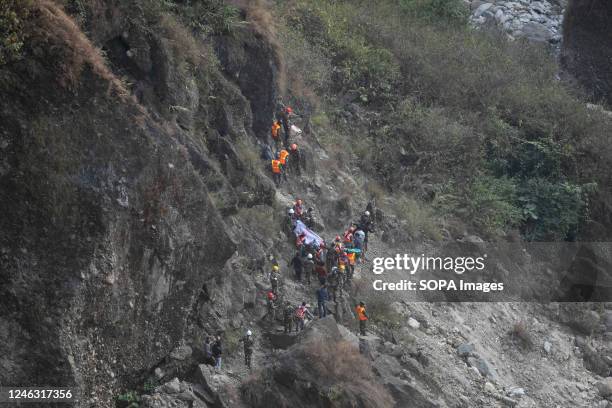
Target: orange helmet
(293,146)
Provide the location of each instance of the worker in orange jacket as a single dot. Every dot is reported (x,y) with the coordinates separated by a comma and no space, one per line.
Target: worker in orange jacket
(362,316)
(283,156)
(275,133)
(352,260)
(277,170)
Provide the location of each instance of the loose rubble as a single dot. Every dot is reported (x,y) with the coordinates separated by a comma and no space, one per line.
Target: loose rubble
(539,21)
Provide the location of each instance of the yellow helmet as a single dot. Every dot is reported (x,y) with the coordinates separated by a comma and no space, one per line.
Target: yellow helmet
(275,268)
(342,266)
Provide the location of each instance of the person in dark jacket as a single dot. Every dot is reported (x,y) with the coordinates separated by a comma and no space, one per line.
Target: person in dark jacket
(284,117)
(322,297)
(217,351)
(249,343)
(295,161)
(309,267)
(208,355)
(298,266)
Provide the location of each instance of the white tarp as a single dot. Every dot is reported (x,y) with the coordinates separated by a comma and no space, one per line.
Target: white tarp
(309,236)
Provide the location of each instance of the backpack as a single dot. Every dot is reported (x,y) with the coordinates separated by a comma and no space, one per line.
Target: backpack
(300,312)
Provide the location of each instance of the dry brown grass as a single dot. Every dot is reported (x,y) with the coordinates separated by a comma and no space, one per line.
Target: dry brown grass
(262,21)
(70,50)
(340,363)
(181,40)
(520,333)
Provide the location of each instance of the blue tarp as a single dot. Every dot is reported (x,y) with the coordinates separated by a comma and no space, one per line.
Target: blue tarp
(309,236)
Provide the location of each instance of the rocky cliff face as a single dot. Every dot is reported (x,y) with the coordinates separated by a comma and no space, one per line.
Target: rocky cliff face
(112,232)
(587,46)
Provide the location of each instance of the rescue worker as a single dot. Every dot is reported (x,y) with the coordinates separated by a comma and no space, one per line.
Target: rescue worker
(208,354)
(301,313)
(362,316)
(284,118)
(352,260)
(249,343)
(295,159)
(358,242)
(292,216)
(321,254)
(299,243)
(277,171)
(341,278)
(290,221)
(322,297)
(217,352)
(343,260)
(309,267)
(308,217)
(298,266)
(271,302)
(321,273)
(298,208)
(348,236)
(332,281)
(288,317)
(283,156)
(274,278)
(366,225)
(275,133)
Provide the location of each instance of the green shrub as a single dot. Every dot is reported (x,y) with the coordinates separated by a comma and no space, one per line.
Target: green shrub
(130,399)
(211,16)
(489,201)
(446,11)
(359,66)
(553,211)
(420,219)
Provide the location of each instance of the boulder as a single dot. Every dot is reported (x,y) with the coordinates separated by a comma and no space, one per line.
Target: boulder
(181,353)
(387,367)
(466,350)
(484,368)
(482,8)
(325,329)
(171,387)
(604,387)
(348,335)
(412,322)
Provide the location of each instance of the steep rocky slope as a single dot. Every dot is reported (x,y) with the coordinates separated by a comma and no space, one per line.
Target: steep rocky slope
(137,219)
